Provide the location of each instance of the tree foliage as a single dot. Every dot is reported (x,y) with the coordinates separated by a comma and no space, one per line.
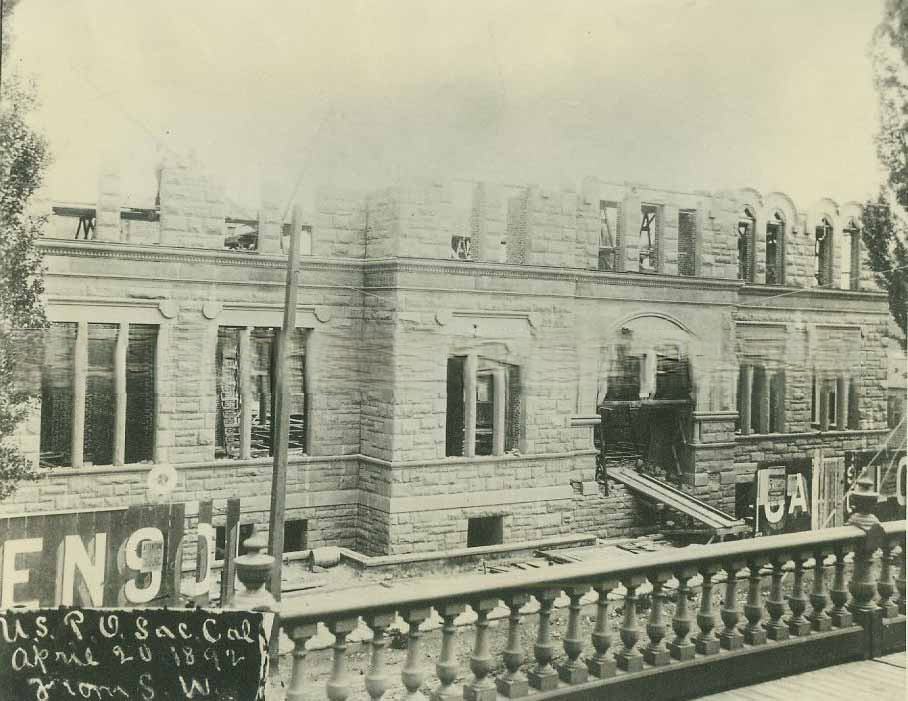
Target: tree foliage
(885,220)
(23,158)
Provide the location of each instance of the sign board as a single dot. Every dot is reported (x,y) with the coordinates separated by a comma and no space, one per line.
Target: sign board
(133,654)
(887,469)
(782,497)
(118,557)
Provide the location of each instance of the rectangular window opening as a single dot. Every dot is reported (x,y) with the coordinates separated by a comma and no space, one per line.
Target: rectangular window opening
(295,535)
(745,252)
(687,242)
(57,395)
(608,235)
(485,530)
(650,234)
(140,393)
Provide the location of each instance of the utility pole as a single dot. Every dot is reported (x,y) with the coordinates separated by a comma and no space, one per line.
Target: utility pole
(282,410)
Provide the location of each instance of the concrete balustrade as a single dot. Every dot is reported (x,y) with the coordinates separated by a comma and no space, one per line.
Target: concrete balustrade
(779,633)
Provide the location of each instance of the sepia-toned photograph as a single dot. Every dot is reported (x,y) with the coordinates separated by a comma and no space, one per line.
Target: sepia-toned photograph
(442,350)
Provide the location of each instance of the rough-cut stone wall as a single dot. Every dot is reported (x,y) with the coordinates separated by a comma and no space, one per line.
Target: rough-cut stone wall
(192,208)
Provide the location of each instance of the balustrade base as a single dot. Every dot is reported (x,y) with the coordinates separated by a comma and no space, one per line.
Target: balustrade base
(799,628)
(513,687)
(755,636)
(486,692)
(629,662)
(603,668)
(656,657)
(447,693)
(682,653)
(731,640)
(841,619)
(890,610)
(543,680)
(820,624)
(573,673)
(777,633)
(707,646)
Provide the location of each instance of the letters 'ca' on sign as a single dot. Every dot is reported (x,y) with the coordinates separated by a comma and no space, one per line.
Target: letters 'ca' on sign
(136,654)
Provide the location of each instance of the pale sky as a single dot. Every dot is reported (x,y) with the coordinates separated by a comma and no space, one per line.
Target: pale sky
(684,94)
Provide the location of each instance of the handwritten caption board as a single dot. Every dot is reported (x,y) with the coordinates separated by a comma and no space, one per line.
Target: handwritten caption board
(133,654)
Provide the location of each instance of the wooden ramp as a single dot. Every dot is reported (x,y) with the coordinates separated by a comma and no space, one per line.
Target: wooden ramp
(722,523)
(880,679)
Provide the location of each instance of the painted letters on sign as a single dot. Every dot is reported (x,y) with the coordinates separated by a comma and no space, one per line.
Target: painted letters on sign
(782,498)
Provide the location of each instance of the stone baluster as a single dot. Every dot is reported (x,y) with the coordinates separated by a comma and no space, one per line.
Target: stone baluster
(573,670)
(886,584)
(600,664)
(446,668)
(544,677)
(862,586)
(754,633)
(819,599)
(900,580)
(797,600)
(656,653)
(411,675)
(300,636)
(730,638)
(338,686)
(377,678)
(706,642)
(681,648)
(839,615)
(481,688)
(513,683)
(629,658)
(775,604)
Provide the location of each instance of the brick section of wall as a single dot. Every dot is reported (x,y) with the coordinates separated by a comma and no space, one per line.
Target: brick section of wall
(488,225)
(518,233)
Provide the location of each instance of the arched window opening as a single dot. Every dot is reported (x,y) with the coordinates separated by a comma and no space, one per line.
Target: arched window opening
(775,249)
(746,227)
(823,253)
(851,256)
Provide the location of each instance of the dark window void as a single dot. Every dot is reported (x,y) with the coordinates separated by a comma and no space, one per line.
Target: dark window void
(649,238)
(823,253)
(687,242)
(624,377)
(57,394)
(140,392)
(485,530)
(775,242)
(295,532)
(455,410)
(672,375)
(485,409)
(746,227)
(608,235)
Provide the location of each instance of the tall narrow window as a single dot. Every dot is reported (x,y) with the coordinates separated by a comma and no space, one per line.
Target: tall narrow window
(746,228)
(687,242)
(140,393)
(57,395)
(485,413)
(454,424)
(100,402)
(823,252)
(608,235)
(851,256)
(649,238)
(824,403)
(775,250)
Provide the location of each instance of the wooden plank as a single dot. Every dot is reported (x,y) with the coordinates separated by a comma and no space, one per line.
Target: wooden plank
(173,553)
(201,559)
(231,547)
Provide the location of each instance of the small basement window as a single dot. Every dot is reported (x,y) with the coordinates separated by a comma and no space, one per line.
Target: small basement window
(295,535)
(485,530)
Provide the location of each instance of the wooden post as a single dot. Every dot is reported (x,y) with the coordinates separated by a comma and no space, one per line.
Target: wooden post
(231,539)
(282,411)
(244,382)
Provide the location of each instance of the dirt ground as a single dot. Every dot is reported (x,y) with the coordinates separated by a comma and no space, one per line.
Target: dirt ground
(318,662)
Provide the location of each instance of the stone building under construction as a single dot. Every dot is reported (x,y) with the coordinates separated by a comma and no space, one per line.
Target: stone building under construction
(456,346)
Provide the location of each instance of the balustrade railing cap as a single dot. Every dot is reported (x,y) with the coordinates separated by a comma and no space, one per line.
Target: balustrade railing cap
(427,592)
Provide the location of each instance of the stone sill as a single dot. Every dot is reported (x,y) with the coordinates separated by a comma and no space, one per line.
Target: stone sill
(478,459)
(757,437)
